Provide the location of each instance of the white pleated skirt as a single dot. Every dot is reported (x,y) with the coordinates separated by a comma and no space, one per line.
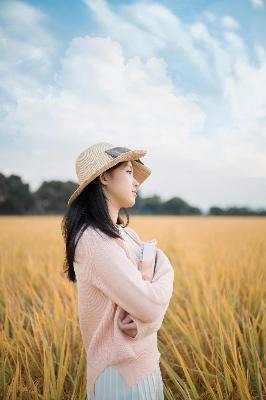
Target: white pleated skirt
(110,385)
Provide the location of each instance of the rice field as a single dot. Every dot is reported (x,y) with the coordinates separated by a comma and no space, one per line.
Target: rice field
(213,338)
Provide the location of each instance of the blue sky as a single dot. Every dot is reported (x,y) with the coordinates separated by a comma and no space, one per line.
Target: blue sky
(184,80)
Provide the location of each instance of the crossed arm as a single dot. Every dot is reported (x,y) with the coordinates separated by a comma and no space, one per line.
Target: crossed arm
(112,272)
(129,322)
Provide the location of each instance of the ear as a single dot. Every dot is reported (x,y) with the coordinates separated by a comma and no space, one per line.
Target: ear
(104,177)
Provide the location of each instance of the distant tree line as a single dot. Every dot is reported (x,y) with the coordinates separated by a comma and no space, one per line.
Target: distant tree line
(51,198)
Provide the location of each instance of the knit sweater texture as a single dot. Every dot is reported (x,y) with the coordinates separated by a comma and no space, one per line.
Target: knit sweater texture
(110,285)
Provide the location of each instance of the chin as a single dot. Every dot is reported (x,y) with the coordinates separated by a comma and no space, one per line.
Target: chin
(129,203)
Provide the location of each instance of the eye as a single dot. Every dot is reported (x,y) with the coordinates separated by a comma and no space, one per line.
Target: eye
(129,170)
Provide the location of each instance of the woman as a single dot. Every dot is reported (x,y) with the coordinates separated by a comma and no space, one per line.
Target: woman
(119,311)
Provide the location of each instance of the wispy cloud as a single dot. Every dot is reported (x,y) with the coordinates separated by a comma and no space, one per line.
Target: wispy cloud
(257,3)
(27,53)
(229,22)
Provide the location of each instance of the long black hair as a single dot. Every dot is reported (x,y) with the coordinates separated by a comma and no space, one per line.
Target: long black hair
(89,208)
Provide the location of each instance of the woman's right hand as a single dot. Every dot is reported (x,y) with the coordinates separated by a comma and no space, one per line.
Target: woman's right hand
(146,268)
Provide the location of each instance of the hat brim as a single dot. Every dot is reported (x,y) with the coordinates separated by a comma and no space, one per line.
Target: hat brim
(140,171)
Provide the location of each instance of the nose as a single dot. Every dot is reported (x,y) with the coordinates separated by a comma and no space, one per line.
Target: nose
(136,184)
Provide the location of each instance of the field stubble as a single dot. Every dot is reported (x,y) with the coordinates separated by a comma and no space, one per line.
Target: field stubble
(213,338)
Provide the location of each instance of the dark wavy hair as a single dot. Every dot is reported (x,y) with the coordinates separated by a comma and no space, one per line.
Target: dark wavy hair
(89,208)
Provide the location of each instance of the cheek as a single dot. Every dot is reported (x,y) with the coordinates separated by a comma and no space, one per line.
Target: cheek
(122,186)
(126,187)
(126,183)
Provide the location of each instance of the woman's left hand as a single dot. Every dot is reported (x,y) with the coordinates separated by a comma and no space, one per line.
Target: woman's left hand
(128,326)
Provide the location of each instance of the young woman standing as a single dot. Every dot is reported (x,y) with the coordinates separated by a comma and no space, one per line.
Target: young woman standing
(119,311)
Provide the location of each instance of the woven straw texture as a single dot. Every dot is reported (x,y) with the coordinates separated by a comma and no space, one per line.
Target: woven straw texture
(93,161)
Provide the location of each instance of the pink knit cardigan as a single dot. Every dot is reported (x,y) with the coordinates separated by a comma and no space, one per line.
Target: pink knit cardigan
(109,286)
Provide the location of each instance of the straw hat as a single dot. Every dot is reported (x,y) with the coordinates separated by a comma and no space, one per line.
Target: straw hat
(101,156)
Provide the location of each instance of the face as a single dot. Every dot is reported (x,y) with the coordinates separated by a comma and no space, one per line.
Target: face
(119,184)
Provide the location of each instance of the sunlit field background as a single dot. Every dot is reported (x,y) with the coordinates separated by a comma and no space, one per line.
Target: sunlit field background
(213,338)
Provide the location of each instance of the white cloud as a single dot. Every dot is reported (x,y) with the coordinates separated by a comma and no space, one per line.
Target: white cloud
(229,22)
(21,15)
(147,29)
(27,52)
(220,53)
(257,3)
(98,93)
(243,91)
(209,16)
(234,40)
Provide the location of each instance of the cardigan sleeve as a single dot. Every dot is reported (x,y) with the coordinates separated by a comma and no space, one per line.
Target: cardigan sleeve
(143,328)
(147,328)
(118,278)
